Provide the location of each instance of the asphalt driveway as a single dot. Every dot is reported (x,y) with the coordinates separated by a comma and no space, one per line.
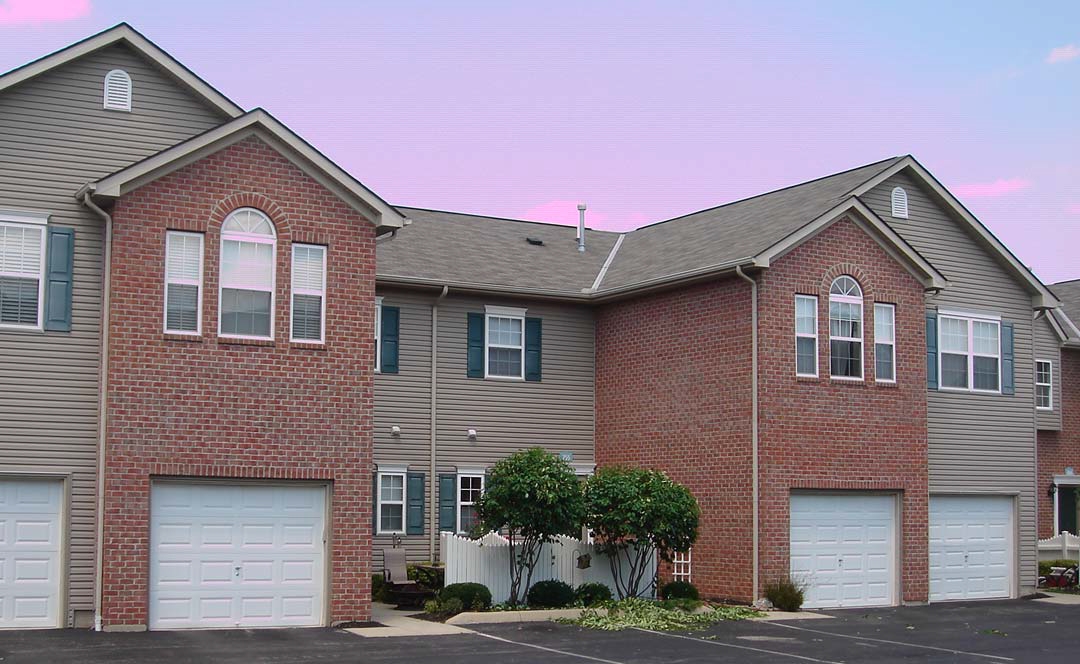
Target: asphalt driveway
(1019,631)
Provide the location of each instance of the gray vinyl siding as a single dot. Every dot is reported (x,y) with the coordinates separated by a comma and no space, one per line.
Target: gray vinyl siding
(555,413)
(978,443)
(54,137)
(1048,348)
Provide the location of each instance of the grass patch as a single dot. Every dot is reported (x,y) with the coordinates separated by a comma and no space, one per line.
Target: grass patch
(647,614)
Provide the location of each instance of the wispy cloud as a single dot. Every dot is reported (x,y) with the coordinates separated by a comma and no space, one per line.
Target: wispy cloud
(1063,54)
(993,189)
(20,12)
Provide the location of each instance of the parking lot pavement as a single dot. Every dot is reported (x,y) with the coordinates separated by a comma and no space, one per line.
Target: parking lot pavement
(988,632)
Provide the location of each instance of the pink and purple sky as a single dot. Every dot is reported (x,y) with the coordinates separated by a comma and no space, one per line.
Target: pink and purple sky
(645,110)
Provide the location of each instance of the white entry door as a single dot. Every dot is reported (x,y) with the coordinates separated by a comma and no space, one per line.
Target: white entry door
(971,547)
(30,536)
(236,555)
(843,546)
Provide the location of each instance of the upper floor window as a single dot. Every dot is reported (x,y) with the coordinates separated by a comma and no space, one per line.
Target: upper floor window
(970,353)
(899,203)
(248,244)
(845,328)
(183,282)
(1044,385)
(118,90)
(504,352)
(806,335)
(308,292)
(885,343)
(22,278)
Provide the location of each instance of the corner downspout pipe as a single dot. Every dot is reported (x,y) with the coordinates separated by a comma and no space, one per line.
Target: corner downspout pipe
(754,421)
(433,507)
(103,376)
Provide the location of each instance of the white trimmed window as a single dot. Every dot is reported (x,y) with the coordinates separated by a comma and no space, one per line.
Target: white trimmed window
(378,334)
(391,507)
(681,566)
(470,488)
(885,343)
(308,292)
(504,344)
(248,244)
(1044,385)
(970,353)
(117,90)
(846,329)
(22,275)
(806,335)
(183,282)
(899,203)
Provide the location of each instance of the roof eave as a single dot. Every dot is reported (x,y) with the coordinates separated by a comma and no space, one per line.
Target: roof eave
(479,288)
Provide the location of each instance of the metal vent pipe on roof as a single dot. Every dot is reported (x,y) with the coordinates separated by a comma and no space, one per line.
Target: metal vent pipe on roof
(581,227)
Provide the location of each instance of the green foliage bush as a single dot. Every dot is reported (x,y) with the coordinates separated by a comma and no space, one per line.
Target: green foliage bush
(378,588)
(551,594)
(647,614)
(1044,567)
(444,608)
(430,578)
(785,593)
(679,590)
(473,596)
(592,594)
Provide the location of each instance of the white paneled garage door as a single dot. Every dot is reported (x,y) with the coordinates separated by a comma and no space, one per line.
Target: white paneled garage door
(30,538)
(844,547)
(236,555)
(971,547)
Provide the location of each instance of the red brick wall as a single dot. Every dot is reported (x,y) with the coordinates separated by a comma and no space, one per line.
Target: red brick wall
(1060,449)
(820,433)
(210,407)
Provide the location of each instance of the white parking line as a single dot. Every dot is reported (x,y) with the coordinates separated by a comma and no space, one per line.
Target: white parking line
(738,647)
(895,643)
(554,650)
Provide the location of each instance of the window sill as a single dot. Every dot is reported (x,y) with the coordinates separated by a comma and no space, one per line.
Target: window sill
(241,341)
(175,336)
(891,384)
(506,379)
(844,380)
(308,345)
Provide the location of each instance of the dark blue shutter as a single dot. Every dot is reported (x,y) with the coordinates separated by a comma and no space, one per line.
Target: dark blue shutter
(931,352)
(414,515)
(391,329)
(59,265)
(448,503)
(476,346)
(375,506)
(533,346)
(1008,362)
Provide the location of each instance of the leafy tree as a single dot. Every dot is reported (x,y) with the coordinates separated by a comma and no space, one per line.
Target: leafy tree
(634,511)
(533,496)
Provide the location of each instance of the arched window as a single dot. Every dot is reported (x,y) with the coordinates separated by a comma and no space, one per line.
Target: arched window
(248,244)
(899,203)
(846,328)
(118,90)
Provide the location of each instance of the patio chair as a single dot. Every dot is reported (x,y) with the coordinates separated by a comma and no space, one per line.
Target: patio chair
(400,589)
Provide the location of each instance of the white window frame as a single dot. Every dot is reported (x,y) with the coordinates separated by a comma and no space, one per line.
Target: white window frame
(124,79)
(457,498)
(849,299)
(378,334)
(899,203)
(682,566)
(1072,481)
(308,291)
(1049,386)
(804,335)
(25,220)
(891,343)
(184,282)
(971,319)
(491,312)
(258,239)
(404,475)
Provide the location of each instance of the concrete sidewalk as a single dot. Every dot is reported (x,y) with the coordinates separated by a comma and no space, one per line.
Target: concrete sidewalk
(398,623)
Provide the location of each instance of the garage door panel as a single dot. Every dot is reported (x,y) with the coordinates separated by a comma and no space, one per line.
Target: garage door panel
(30,552)
(971,547)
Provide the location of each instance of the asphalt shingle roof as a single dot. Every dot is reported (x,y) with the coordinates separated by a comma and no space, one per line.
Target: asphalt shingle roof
(1069,294)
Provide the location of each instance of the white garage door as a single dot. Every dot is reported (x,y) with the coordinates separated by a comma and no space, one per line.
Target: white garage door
(843,548)
(30,553)
(236,555)
(971,547)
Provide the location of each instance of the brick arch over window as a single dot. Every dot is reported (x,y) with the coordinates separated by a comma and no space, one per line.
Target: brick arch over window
(260,202)
(851,270)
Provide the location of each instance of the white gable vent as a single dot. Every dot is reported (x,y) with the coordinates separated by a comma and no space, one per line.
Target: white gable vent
(118,90)
(899,203)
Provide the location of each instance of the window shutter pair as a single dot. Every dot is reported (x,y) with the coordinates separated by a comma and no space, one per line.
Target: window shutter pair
(390,341)
(414,504)
(1008,358)
(533,347)
(59,268)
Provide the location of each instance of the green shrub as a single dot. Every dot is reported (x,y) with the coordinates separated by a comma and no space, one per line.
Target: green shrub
(444,608)
(646,614)
(378,588)
(1044,566)
(679,590)
(682,604)
(592,594)
(473,596)
(430,578)
(551,594)
(785,593)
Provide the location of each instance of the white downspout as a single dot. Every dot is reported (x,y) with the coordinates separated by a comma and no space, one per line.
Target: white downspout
(103,375)
(433,507)
(754,420)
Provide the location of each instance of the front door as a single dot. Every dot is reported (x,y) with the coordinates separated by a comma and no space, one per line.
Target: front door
(1066,496)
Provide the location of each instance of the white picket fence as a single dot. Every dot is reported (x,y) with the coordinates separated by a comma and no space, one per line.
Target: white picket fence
(1064,546)
(487,561)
